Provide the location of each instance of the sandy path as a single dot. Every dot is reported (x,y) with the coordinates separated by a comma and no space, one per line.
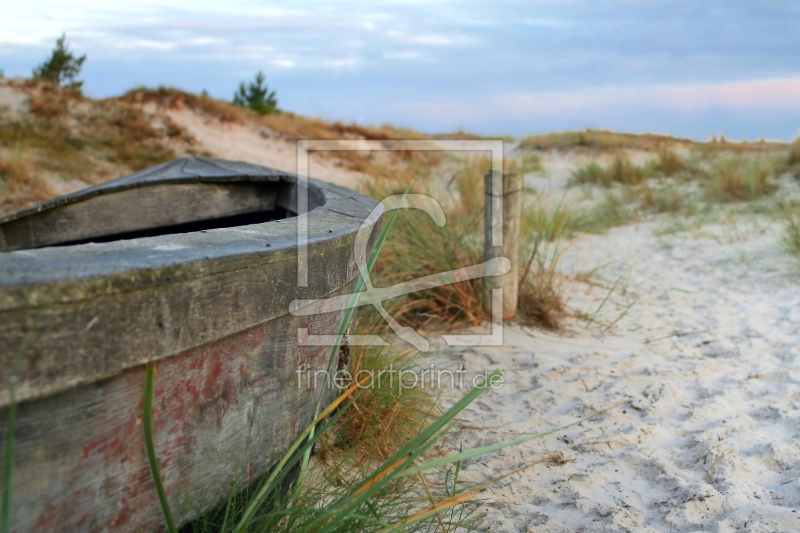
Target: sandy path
(708,438)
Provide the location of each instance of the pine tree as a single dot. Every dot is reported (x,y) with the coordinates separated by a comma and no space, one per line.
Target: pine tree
(62,66)
(256,96)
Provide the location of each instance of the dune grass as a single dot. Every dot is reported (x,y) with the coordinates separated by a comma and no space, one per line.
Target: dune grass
(539,301)
(621,170)
(21,185)
(418,247)
(601,140)
(386,414)
(610,141)
(669,163)
(674,184)
(662,198)
(70,138)
(738,179)
(793,157)
(789,216)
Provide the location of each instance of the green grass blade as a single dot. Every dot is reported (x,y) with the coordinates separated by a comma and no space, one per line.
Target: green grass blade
(147,424)
(391,469)
(469,454)
(373,257)
(443,505)
(348,314)
(458,469)
(608,295)
(295,451)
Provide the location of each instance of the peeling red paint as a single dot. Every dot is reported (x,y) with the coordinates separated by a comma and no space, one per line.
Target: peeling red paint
(194,393)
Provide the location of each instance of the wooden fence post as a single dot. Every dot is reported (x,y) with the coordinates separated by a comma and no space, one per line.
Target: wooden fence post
(501,237)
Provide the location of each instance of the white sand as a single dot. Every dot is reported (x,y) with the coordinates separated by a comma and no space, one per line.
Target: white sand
(708,438)
(256,144)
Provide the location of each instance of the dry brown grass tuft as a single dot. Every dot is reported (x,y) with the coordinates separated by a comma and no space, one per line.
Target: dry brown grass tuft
(21,185)
(47,100)
(670,163)
(540,303)
(417,247)
(544,226)
(622,170)
(392,409)
(48,105)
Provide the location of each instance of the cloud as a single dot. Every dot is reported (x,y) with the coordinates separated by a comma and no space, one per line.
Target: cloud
(774,94)
(750,108)
(441,64)
(428,39)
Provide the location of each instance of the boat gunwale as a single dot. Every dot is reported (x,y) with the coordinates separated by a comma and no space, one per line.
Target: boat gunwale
(172,268)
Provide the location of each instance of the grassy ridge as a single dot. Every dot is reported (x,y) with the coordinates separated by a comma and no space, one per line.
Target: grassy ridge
(609,141)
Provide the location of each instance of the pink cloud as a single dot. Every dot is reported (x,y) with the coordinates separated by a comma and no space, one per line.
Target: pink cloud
(775,94)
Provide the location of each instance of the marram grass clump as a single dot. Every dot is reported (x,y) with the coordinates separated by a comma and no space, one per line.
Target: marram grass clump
(738,179)
(621,170)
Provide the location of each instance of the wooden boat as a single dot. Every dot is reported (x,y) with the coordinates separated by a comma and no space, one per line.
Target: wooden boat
(191,265)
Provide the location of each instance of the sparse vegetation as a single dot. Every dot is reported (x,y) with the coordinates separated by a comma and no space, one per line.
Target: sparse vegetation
(82,140)
(282,123)
(669,163)
(530,162)
(661,198)
(20,184)
(62,66)
(738,179)
(609,141)
(591,172)
(544,220)
(612,210)
(621,170)
(539,302)
(790,215)
(600,140)
(793,158)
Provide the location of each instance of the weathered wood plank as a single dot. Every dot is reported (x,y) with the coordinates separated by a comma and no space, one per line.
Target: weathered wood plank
(137,209)
(221,412)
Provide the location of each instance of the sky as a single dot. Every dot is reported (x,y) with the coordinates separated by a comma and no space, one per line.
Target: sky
(692,68)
